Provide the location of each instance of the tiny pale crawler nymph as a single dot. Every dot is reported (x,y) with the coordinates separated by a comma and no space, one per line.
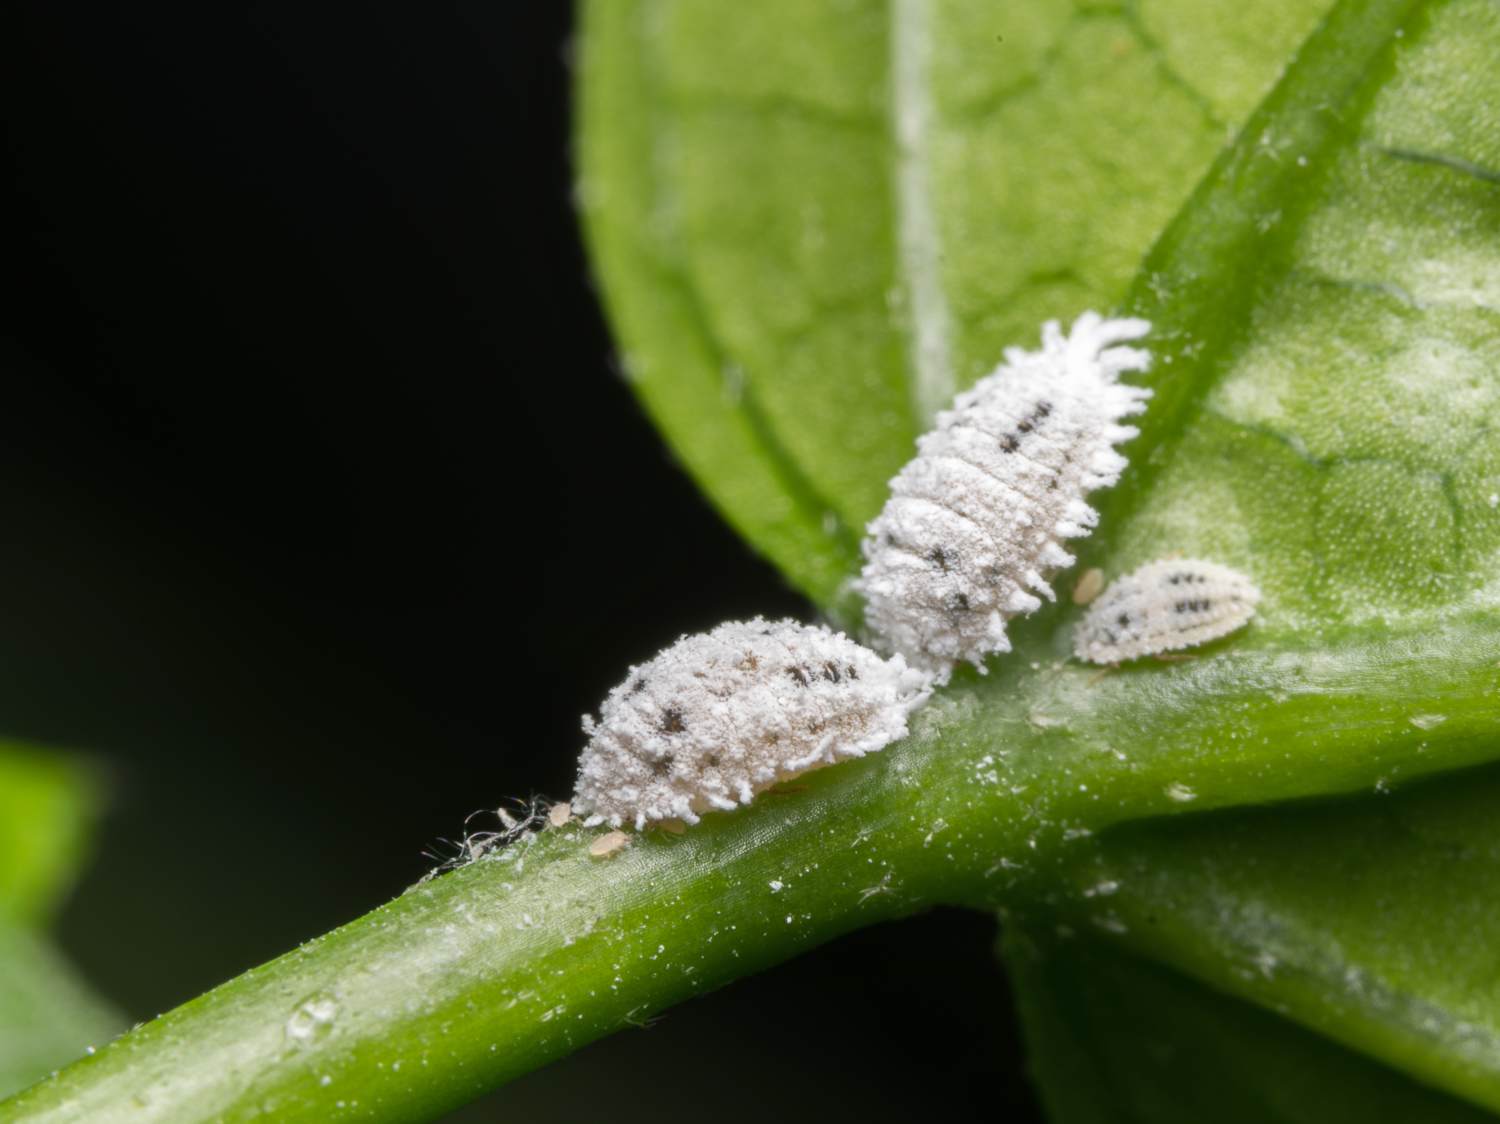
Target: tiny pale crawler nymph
(1165,606)
(976,522)
(609,844)
(1090,585)
(723,715)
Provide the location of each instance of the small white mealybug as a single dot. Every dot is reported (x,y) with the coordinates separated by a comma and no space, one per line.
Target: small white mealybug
(977,520)
(1174,603)
(722,715)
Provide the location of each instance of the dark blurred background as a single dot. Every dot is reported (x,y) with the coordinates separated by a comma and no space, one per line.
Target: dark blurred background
(324,512)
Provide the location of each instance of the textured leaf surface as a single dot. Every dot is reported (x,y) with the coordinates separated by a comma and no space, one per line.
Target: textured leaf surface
(1346,445)
(1329,306)
(1116,1040)
(816,219)
(1372,920)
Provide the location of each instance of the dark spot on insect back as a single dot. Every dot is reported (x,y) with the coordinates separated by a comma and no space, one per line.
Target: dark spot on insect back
(1123,620)
(1027,424)
(958,603)
(939,558)
(671,721)
(799,676)
(832,673)
(662,767)
(638,686)
(1010,443)
(851,671)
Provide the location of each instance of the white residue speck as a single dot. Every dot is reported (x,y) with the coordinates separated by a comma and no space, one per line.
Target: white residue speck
(311,1018)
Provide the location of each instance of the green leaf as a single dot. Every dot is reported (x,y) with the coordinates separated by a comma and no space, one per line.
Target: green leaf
(46,804)
(1351,419)
(1327,396)
(1329,303)
(1378,556)
(1114,1039)
(1371,920)
(815,219)
(48,1017)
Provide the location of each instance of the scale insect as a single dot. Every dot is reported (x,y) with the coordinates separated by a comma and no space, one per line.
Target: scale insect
(977,520)
(722,715)
(1164,606)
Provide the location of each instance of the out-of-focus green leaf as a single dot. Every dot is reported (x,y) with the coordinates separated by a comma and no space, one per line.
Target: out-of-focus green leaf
(1114,1039)
(48,1017)
(46,803)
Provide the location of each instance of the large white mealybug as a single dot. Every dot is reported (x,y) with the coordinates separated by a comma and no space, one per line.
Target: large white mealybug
(977,520)
(1174,603)
(722,715)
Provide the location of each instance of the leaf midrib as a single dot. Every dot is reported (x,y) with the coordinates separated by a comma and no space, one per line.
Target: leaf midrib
(929,352)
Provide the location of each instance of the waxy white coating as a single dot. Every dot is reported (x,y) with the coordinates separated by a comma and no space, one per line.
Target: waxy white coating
(1162,607)
(722,715)
(977,521)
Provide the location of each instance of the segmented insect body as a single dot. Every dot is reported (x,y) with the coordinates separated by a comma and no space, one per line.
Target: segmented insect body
(722,715)
(1163,606)
(976,522)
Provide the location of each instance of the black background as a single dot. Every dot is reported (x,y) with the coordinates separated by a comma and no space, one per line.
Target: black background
(325,515)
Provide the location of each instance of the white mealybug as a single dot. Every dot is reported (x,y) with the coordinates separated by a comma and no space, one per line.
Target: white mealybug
(1174,603)
(722,715)
(977,520)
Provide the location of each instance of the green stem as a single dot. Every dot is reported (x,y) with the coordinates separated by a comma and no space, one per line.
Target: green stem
(522,957)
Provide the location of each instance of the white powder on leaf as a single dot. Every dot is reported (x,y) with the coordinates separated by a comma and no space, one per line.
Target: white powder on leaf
(976,522)
(1163,606)
(723,715)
